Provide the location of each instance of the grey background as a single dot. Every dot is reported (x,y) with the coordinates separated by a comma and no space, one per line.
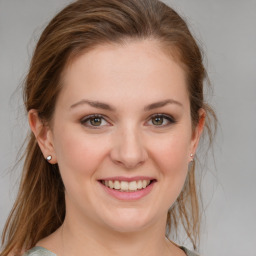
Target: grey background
(227,30)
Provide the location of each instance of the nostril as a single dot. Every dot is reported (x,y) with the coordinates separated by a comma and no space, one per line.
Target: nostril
(128,151)
(128,163)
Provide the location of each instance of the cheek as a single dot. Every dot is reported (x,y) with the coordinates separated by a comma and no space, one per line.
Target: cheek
(173,166)
(77,155)
(172,152)
(171,156)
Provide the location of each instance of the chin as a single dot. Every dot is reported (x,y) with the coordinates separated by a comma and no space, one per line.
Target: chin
(128,227)
(129,221)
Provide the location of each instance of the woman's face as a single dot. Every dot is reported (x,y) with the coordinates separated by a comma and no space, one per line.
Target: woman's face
(122,135)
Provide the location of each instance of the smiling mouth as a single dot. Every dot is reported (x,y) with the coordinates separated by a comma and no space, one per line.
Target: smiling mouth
(126,186)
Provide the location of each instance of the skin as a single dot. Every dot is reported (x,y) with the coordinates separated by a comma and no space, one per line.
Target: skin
(127,143)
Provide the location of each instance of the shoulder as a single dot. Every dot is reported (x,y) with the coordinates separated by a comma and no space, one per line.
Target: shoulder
(39,251)
(188,252)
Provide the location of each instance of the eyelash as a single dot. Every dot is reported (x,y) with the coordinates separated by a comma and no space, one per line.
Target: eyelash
(169,119)
(89,118)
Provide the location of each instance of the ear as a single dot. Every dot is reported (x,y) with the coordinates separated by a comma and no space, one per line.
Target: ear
(197,132)
(43,135)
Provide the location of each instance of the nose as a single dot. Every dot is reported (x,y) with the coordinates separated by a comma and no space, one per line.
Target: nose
(128,149)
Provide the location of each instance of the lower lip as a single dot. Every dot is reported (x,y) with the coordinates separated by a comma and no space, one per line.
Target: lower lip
(129,196)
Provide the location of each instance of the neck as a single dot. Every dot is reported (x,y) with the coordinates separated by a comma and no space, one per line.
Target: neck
(77,239)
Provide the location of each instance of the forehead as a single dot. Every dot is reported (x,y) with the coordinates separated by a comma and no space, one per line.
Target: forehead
(135,69)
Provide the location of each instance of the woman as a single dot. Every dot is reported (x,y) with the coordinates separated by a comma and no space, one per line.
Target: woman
(115,103)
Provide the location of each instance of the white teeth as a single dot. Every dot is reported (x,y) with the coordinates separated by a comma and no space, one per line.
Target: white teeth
(111,184)
(117,184)
(133,186)
(126,186)
(139,184)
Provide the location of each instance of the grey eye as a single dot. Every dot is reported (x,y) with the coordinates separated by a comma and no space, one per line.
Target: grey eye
(95,121)
(158,120)
(161,120)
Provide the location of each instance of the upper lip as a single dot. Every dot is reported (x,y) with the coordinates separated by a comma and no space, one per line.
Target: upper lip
(136,178)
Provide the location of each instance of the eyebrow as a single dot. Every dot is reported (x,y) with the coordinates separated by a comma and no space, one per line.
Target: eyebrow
(95,104)
(105,106)
(163,103)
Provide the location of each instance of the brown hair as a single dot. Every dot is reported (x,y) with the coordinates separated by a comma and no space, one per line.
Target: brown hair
(40,206)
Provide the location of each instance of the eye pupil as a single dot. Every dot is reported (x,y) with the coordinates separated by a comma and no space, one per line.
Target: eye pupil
(96,121)
(158,120)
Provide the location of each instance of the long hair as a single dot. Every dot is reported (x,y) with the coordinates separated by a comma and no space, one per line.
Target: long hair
(40,205)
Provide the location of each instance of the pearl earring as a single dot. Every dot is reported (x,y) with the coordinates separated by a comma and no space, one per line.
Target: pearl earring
(49,158)
(192,155)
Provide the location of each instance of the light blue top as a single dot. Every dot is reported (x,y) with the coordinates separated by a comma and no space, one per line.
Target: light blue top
(40,251)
